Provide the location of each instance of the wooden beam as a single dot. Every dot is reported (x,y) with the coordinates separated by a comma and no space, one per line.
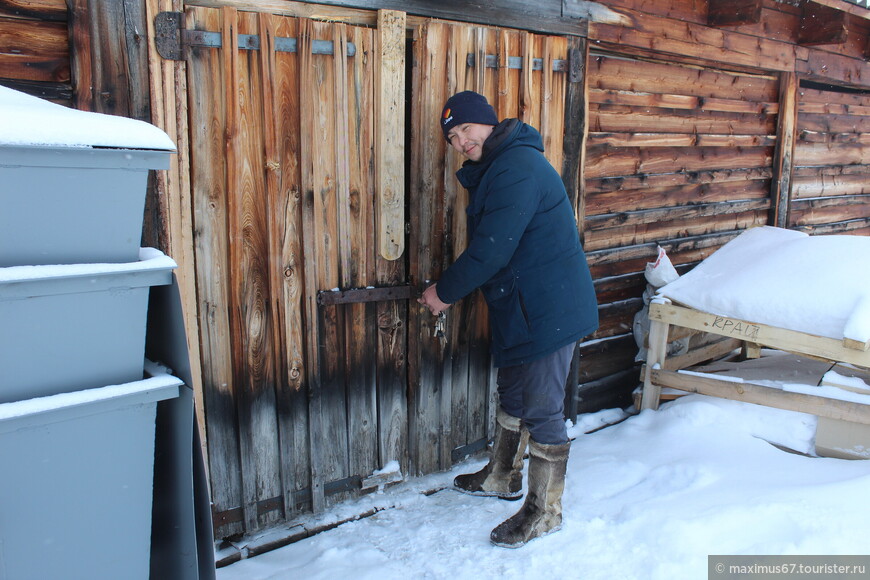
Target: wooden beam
(576,128)
(390,133)
(783,156)
(81,57)
(822,25)
(762,395)
(733,12)
(779,338)
(519,14)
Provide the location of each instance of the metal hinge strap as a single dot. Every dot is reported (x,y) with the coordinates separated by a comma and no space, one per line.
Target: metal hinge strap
(173,40)
(516,62)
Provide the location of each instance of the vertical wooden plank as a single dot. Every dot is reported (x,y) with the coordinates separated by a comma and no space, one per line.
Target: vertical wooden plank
(783,156)
(249,313)
(575,122)
(208,173)
(390,133)
(354,77)
(169,111)
(308,110)
(392,316)
(428,147)
(81,71)
(280,124)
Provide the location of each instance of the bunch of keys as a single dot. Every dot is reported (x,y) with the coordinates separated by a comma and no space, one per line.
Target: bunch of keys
(440,326)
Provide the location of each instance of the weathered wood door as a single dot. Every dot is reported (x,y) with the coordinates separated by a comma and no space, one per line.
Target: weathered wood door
(307,389)
(302,399)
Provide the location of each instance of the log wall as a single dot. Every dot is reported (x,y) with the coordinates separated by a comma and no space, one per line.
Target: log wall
(831,177)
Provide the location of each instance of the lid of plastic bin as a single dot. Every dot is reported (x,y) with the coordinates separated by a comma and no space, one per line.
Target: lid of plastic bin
(154,268)
(33,122)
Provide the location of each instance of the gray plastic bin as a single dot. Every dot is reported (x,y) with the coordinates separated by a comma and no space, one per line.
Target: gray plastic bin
(64,205)
(66,328)
(77,482)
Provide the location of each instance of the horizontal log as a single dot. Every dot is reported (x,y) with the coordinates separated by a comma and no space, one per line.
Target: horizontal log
(814,96)
(645,76)
(48,10)
(857,227)
(762,395)
(686,213)
(680,101)
(822,154)
(832,170)
(34,51)
(679,140)
(833,109)
(622,200)
(60,93)
(730,13)
(622,261)
(830,67)
(821,25)
(600,358)
(829,209)
(833,123)
(667,36)
(603,161)
(829,185)
(617,317)
(834,138)
(652,181)
(616,288)
(541,17)
(619,118)
(634,234)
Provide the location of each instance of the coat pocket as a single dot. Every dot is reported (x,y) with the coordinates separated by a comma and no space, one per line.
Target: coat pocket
(507,314)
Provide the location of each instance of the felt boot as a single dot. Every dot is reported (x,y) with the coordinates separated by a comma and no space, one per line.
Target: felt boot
(541,513)
(502,477)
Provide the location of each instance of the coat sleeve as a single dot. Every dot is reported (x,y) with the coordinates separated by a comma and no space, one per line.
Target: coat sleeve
(510,202)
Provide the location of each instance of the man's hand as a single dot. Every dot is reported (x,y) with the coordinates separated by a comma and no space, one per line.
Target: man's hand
(430,300)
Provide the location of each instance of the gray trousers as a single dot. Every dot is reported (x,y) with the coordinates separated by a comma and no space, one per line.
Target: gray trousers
(535,392)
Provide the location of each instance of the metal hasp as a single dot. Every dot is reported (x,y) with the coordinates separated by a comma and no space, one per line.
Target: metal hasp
(327,297)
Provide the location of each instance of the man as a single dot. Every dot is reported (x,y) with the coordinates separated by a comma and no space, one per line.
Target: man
(524,253)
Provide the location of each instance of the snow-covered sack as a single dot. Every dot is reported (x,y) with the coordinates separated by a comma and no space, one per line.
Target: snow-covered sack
(657,274)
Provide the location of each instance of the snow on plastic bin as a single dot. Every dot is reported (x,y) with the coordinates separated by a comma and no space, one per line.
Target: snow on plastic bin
(77,482)
(71,327)
(72,183)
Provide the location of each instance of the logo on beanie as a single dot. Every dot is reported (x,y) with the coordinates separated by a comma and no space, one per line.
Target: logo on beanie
(447,117)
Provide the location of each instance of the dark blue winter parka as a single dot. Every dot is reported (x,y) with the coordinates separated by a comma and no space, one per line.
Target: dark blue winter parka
(524,251)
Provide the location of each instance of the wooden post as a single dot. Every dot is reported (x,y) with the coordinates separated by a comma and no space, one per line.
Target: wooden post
(783,158)
(656,355)
(390,133)
(576,127)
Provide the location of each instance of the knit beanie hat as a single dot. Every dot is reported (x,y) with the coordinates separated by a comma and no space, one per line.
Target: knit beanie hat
(467,107)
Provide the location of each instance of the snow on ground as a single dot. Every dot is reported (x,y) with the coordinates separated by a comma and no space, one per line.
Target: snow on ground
(652,496)
(648,498)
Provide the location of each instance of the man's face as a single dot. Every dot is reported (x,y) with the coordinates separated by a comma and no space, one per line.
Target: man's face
(468,139)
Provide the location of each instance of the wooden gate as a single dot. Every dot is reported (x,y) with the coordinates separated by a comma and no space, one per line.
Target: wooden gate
(304,397)
(317,369)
